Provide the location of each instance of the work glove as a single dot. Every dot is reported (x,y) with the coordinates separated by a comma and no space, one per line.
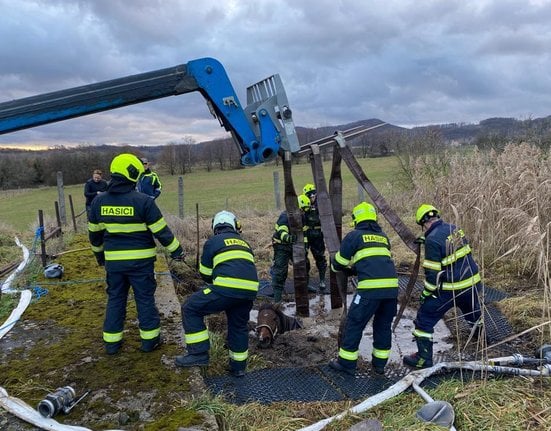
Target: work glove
(100,258)
(420,240)
(425,295)
(178,255)
(289,238)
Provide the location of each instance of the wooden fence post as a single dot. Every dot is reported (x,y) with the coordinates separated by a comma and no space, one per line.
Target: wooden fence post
(42,240)
(181,196)
(71,206)
(61,197)
(58,218)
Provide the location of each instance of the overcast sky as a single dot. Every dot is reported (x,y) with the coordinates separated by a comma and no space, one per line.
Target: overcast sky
(406,62)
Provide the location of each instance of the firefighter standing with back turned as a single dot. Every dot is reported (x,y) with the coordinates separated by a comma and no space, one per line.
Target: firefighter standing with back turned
(122,227)
(366,250)
(313,235)
(227,264)
(282,242)
(451,279)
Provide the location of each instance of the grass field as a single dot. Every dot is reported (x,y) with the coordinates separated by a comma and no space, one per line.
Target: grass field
(247,191)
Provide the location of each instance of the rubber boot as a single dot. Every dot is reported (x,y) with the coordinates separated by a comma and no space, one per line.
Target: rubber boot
(112,348)
(423,357)
(322,285)
(198,360)
(337,365)
(237,368)
(378,365)
(278,292)
(150,345)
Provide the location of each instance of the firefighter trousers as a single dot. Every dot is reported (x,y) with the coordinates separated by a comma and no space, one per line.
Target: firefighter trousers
(142,281)
(362,309)
(207,301)
(433,309)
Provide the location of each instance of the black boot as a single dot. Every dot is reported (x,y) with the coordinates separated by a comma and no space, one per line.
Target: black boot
(237,368)
(378,365)
(199,360)
(423,357)
(150,345)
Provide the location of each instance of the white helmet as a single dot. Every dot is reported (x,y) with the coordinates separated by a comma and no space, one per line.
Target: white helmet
(224,217)
(53,270)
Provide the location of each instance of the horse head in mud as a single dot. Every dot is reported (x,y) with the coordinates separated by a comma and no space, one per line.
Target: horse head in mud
(272,322)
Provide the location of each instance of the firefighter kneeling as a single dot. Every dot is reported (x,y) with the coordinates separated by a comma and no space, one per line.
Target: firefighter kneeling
(227,263)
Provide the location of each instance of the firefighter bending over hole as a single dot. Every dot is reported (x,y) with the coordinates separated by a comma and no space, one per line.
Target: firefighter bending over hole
(227,264)
(451,279)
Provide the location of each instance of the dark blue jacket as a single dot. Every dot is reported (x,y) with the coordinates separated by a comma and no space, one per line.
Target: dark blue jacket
(150,184)
(122,226)
(367,250)
(282,231)
(228,264)
(448,262)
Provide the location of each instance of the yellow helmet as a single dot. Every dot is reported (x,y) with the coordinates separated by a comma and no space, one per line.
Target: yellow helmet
(303,202)
(127,165)
(309,189)
(362,212)
(424,212)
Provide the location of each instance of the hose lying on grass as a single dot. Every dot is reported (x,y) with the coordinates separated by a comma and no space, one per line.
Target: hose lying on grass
(24,299)
(419,375)
(22,410)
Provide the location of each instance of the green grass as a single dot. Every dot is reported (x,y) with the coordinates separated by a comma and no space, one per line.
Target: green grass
(245,191)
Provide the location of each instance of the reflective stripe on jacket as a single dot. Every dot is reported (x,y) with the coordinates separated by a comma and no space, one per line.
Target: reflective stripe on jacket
(123,224)
(228,263)
(367,249)
(448,261)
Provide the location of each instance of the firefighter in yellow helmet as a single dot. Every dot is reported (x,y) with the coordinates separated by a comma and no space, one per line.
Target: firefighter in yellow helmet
(282,242)
(313,235)
(451,279)
(366,252)
(122,229)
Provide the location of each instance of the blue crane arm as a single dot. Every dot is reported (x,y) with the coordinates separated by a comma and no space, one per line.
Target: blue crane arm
(257,135)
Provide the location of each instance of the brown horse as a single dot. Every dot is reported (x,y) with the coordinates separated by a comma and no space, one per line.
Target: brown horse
(272,322)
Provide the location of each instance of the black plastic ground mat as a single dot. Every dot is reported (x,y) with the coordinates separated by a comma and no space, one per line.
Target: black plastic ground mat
(363,384)
(275,384)
(310,384)
(490,294)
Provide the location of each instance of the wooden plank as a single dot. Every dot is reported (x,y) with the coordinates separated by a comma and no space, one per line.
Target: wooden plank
(335,192)
(325,209)
(295,225)
(378,200)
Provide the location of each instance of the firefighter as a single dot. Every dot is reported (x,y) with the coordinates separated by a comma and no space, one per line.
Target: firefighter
(149,182)
(313,236)
(122,227)
(451,279)
(282,242)
(366,252)
(227,264)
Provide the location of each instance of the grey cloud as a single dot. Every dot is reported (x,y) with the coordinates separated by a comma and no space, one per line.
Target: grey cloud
(404,62)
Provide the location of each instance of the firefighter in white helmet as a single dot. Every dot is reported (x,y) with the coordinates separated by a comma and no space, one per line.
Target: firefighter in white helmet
(228,265)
